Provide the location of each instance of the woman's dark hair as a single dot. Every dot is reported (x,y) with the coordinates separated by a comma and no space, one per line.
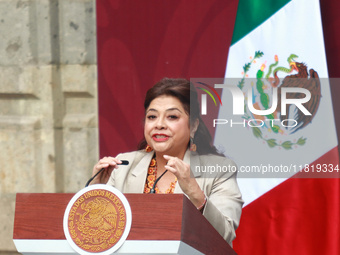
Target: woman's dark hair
(186,93)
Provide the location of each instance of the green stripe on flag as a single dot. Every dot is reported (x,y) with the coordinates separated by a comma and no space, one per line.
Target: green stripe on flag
(252,13)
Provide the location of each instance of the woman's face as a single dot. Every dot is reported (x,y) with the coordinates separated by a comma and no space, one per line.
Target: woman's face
(166,127)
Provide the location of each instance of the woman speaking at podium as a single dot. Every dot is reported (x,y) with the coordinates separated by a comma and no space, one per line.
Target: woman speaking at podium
(174,136)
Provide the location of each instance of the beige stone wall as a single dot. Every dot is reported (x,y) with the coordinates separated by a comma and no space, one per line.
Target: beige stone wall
(48,100)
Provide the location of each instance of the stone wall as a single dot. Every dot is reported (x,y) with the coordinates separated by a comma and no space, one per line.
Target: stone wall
(48,100)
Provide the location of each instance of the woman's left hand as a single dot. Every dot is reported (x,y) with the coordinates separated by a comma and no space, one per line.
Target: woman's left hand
(187,183)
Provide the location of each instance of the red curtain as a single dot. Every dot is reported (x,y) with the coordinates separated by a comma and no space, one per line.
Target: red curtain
(140,42)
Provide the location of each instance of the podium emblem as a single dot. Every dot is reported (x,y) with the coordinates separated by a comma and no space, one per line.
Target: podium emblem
(97,220)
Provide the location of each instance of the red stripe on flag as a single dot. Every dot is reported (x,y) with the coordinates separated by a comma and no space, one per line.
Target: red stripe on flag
(299,216)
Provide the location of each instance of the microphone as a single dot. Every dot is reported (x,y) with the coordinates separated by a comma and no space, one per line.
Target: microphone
(152,191)
(124,162)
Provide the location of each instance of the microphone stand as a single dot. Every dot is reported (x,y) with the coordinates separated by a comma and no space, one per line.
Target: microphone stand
(152,191)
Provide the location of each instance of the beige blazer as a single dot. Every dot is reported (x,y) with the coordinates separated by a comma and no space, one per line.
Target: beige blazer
(224,202)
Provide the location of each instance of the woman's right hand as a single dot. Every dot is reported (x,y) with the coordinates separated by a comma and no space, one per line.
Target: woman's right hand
(109,164)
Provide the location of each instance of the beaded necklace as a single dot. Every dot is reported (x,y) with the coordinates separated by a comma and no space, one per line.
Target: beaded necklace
(151,177)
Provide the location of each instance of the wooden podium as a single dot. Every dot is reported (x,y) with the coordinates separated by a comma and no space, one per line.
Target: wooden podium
(161,224)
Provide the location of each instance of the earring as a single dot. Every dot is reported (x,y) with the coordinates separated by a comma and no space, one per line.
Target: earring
(148,148)
(193,146)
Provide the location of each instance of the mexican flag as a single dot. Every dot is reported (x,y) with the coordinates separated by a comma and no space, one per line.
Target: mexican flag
(288,175)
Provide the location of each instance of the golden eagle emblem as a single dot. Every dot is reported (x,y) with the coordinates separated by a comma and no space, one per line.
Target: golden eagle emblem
(98,221)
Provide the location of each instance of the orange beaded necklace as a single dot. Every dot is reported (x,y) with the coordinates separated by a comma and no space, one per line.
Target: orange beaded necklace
(151,178)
